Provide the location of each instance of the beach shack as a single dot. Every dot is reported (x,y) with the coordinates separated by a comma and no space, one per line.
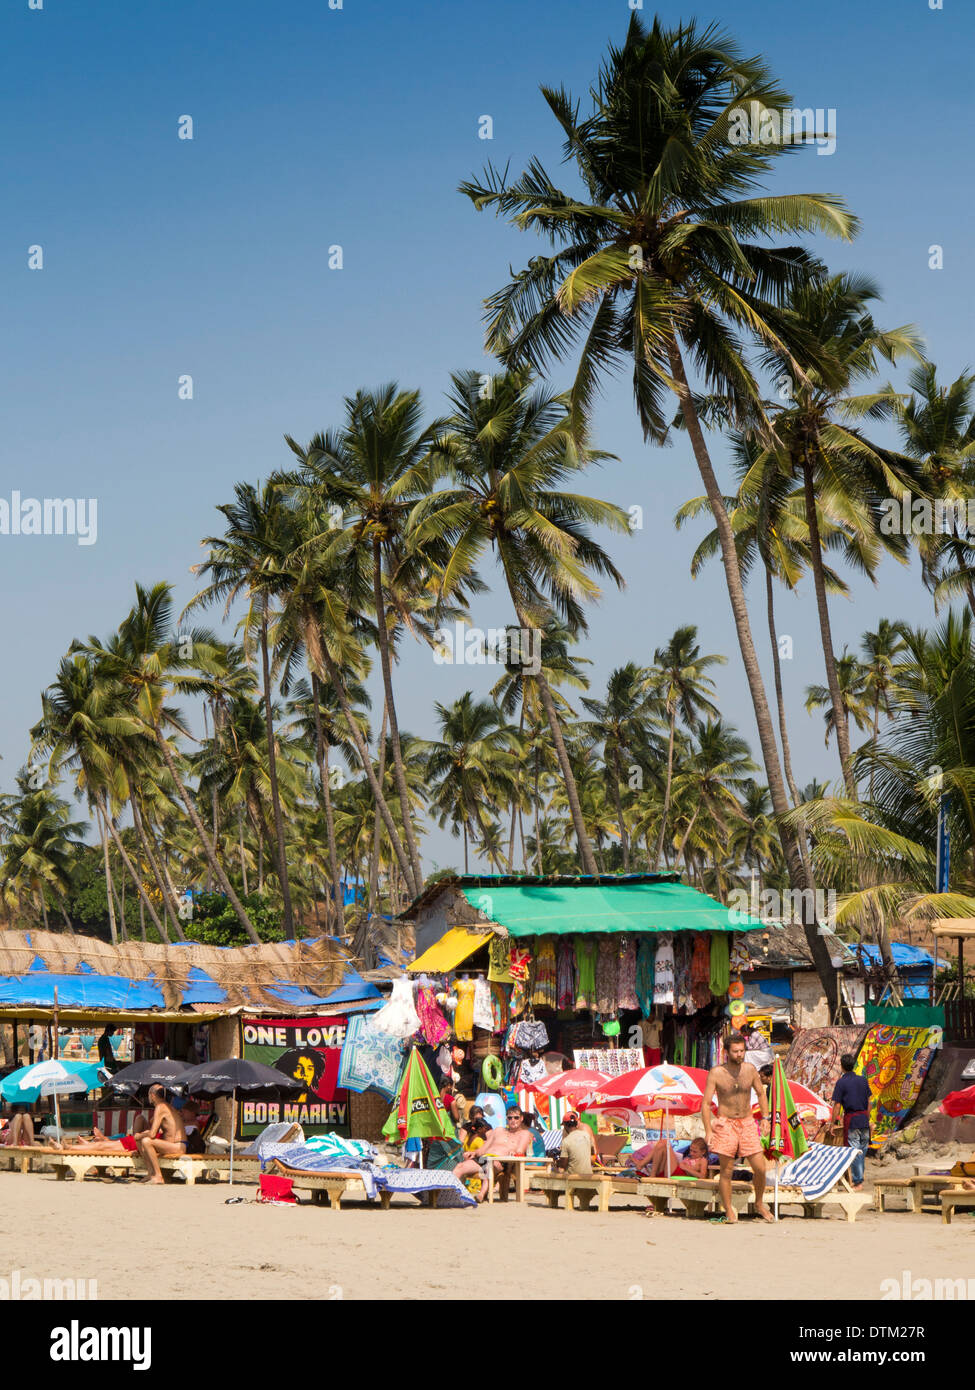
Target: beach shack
(285,1003)
(610,973)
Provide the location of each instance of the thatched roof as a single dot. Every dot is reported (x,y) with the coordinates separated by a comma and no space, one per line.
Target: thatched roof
(231,976)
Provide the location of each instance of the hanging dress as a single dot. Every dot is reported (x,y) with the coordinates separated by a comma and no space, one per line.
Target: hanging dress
(663,970)
(607,975)
(644,975)
(701,971)
(398,1018)
(565,975)
(544,991)
(626,987)
(435,1027)
(719,963)
(499,1007)
(519,963)
(483,1013)
(586,962)
(682,973)
(499,962)
(464,1017)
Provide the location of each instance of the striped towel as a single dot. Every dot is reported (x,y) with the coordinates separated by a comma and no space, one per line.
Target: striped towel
(819,1169)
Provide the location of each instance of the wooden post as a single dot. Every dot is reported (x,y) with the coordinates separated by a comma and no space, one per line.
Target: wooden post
(55,1048)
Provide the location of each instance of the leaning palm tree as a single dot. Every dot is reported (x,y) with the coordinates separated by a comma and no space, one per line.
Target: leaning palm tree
(662,253)
(248,561)
(507,450)
(678,680)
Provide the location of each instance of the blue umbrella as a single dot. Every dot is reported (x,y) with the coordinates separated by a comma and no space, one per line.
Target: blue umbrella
(88,1073)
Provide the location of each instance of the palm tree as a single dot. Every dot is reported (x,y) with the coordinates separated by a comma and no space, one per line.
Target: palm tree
(248,561)
(659,256)
(678,680)
(620,723)
(937,425)
(817,441)
(151,662)
(507,448)
(39,849)
(373,471)
(715,776)
(854,695)
(881,649)
(470,766)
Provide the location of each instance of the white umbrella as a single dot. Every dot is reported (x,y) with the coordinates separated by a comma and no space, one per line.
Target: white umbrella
(53,1079)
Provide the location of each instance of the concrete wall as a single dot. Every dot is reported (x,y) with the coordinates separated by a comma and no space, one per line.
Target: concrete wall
(811,1009)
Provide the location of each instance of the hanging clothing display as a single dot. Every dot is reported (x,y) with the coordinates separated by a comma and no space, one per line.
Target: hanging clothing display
(586,971)
(499,1007)
(483,1013)
(544,988)
(701,971)
(719,963)
(565,975)
(464,1017)
(499,959)
(607,975)
(398,1018)
(740,960)
(435,1027)
(531,1072)
(682,973)
(626,995)
(663,970)
(519,964)
(644,974)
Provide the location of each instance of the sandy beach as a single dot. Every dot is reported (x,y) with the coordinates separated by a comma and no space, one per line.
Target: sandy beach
(184,1243)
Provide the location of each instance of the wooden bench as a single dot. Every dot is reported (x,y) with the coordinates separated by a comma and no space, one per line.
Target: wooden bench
(23,1156)
(885,1188)
(698,1196)
(553,1185)
(190,1167)
(843,1195)
(332,1187)
(952,1197)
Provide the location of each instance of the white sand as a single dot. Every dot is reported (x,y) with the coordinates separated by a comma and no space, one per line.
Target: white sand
(177,1242)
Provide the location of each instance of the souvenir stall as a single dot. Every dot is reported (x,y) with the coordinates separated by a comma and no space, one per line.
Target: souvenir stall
(532,976)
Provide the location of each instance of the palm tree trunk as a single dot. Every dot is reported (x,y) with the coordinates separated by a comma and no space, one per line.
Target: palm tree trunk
(321,661)
(667,792)
(617,777)
(780,703)
(142,919)
(687,835)
(798,876)
(240,841)
(324,778)
(108,876)
(464,823)
(170,904)
(44,911)
(67,920)
(538,833)
(841,722)
(133,874)
(272,768)
(377,828)
(399,771)
(204,839)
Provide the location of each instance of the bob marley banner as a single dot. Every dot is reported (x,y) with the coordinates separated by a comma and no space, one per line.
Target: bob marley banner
(306,1048)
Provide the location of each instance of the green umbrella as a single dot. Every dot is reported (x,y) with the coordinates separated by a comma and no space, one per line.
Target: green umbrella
(787,1138)
(418,1112)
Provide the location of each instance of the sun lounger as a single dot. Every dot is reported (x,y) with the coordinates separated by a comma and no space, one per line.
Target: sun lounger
(698,1196)
(330,1187)
(928,1188)
(23,1156)
(952,1197)
(553,1185)
(818,1177)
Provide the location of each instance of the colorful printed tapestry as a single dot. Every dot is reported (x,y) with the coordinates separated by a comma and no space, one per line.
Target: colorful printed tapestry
(371,1060)
(814,1058)
(895,1061)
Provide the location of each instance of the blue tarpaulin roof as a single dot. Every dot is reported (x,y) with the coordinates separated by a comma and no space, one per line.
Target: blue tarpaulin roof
(905,957)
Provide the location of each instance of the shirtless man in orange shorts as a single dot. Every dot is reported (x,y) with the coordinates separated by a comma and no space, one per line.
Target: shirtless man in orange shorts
(732,1133)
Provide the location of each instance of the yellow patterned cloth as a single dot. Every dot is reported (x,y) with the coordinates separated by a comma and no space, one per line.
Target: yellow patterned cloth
(895,1062)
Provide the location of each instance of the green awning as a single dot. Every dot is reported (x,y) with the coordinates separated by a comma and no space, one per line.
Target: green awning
(539,910)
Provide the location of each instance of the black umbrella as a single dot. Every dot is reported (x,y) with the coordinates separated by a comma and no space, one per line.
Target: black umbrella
(235,1076)
(162,1071)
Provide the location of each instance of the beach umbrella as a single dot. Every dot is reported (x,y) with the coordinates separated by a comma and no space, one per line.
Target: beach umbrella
(51,1078)
(234,1076)
(807,1100)
(958,1103)
(670,1089)
(418,1112)
(580,1081)
(156,1071)
(786,1136)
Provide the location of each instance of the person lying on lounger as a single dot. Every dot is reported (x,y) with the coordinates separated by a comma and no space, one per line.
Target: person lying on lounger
(660,1159)
(166,1136)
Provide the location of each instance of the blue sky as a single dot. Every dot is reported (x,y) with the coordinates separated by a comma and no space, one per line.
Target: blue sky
(314,127)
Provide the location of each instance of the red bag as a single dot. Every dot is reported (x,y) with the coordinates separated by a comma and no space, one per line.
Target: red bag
(276,1189)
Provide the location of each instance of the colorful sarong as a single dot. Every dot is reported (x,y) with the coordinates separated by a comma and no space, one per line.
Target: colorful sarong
(814,1058)
(895,1062)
